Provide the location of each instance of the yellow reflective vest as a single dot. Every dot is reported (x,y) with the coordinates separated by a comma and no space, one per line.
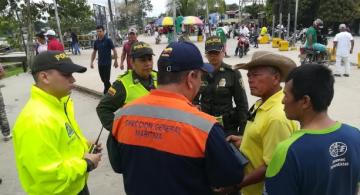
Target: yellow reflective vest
(49,146)
(133,89)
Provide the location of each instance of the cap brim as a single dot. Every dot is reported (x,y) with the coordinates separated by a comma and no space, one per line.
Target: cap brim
(141,55)
(214,48)
(71,68)
(207,68)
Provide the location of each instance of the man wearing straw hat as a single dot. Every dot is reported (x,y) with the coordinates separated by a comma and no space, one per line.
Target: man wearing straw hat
(267,123)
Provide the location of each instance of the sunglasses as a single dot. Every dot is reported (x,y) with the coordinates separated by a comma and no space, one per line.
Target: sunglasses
(252,112)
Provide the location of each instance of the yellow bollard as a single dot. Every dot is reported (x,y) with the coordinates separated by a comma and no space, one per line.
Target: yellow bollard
(284,46)
(332,55)
(200,38)
(275,42)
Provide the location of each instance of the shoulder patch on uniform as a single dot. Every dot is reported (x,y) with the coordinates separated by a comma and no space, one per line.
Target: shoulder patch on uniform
(241,82)
(111,91)
(69,129)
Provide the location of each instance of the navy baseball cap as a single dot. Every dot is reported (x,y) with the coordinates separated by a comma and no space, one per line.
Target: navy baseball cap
(182,56)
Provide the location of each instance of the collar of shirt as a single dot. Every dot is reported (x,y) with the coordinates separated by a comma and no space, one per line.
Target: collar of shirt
(149,81)
(269,103)
(47,98)
(160,92)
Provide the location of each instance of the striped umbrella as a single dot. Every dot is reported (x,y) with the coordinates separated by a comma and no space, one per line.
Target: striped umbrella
(192,20)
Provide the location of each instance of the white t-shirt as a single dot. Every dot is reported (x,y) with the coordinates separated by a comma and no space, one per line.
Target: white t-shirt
(343,40)
(244,31)
(41,48)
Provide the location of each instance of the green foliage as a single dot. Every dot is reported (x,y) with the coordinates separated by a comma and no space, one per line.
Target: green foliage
(330,11)
(72,14)
(232,7)
(133,13)
(13,70)
(254,9)
(9,28)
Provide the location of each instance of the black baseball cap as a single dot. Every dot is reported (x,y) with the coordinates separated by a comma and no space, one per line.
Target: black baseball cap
(213,43)
(182,56)
(57,60)
(139,49)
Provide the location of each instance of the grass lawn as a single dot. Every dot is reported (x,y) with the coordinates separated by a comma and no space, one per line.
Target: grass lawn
(13,70)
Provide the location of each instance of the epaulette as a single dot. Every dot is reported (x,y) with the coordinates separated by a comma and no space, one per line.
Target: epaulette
(125,73)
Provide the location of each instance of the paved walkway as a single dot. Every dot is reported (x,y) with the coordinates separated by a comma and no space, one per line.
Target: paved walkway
(347,90)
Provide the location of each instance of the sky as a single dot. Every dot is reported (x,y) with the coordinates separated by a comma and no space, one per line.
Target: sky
(159,6)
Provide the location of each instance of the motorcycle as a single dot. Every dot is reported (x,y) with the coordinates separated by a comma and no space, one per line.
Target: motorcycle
(310,56)
(242,46)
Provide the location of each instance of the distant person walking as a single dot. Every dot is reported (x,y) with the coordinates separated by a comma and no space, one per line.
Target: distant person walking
(41,44)
(103,46)
(4,123)
(127,49)
(75,43)
(343,46)
(53,43)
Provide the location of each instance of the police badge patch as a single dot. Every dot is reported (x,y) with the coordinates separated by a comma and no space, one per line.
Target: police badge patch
(222,82)
(69,129)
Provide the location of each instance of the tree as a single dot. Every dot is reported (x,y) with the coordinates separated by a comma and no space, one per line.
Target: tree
(196,7)
(72,14)
(329,11)
(254,9)
(232,7)
(332,12)
(133,12)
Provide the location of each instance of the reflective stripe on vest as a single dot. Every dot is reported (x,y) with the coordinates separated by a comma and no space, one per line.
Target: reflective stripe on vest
(135,90)
(174,131)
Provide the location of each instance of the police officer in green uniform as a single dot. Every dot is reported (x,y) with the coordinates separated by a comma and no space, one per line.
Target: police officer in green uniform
(129,86)
(221,88)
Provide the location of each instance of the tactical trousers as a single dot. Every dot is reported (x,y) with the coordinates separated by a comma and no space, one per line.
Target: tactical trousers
(4,123)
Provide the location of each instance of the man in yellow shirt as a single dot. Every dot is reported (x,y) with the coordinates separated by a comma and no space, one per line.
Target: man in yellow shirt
(267,123)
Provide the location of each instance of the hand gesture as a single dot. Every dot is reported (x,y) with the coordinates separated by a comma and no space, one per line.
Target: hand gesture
(234,139)
(95,158)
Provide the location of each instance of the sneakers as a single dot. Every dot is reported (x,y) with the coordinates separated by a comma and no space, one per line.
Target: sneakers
(7,137)
(346,75)
(337,75)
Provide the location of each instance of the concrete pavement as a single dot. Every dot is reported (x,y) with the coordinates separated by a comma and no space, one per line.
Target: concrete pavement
(345,108)
(103,180)
(347,93)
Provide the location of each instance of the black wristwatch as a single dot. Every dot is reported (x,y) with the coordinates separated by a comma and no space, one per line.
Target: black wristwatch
(90,165)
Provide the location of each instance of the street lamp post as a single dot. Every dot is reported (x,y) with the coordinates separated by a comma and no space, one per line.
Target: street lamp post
(296,12)
(216,8)
(58,22)
(207,16)
(174,16)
